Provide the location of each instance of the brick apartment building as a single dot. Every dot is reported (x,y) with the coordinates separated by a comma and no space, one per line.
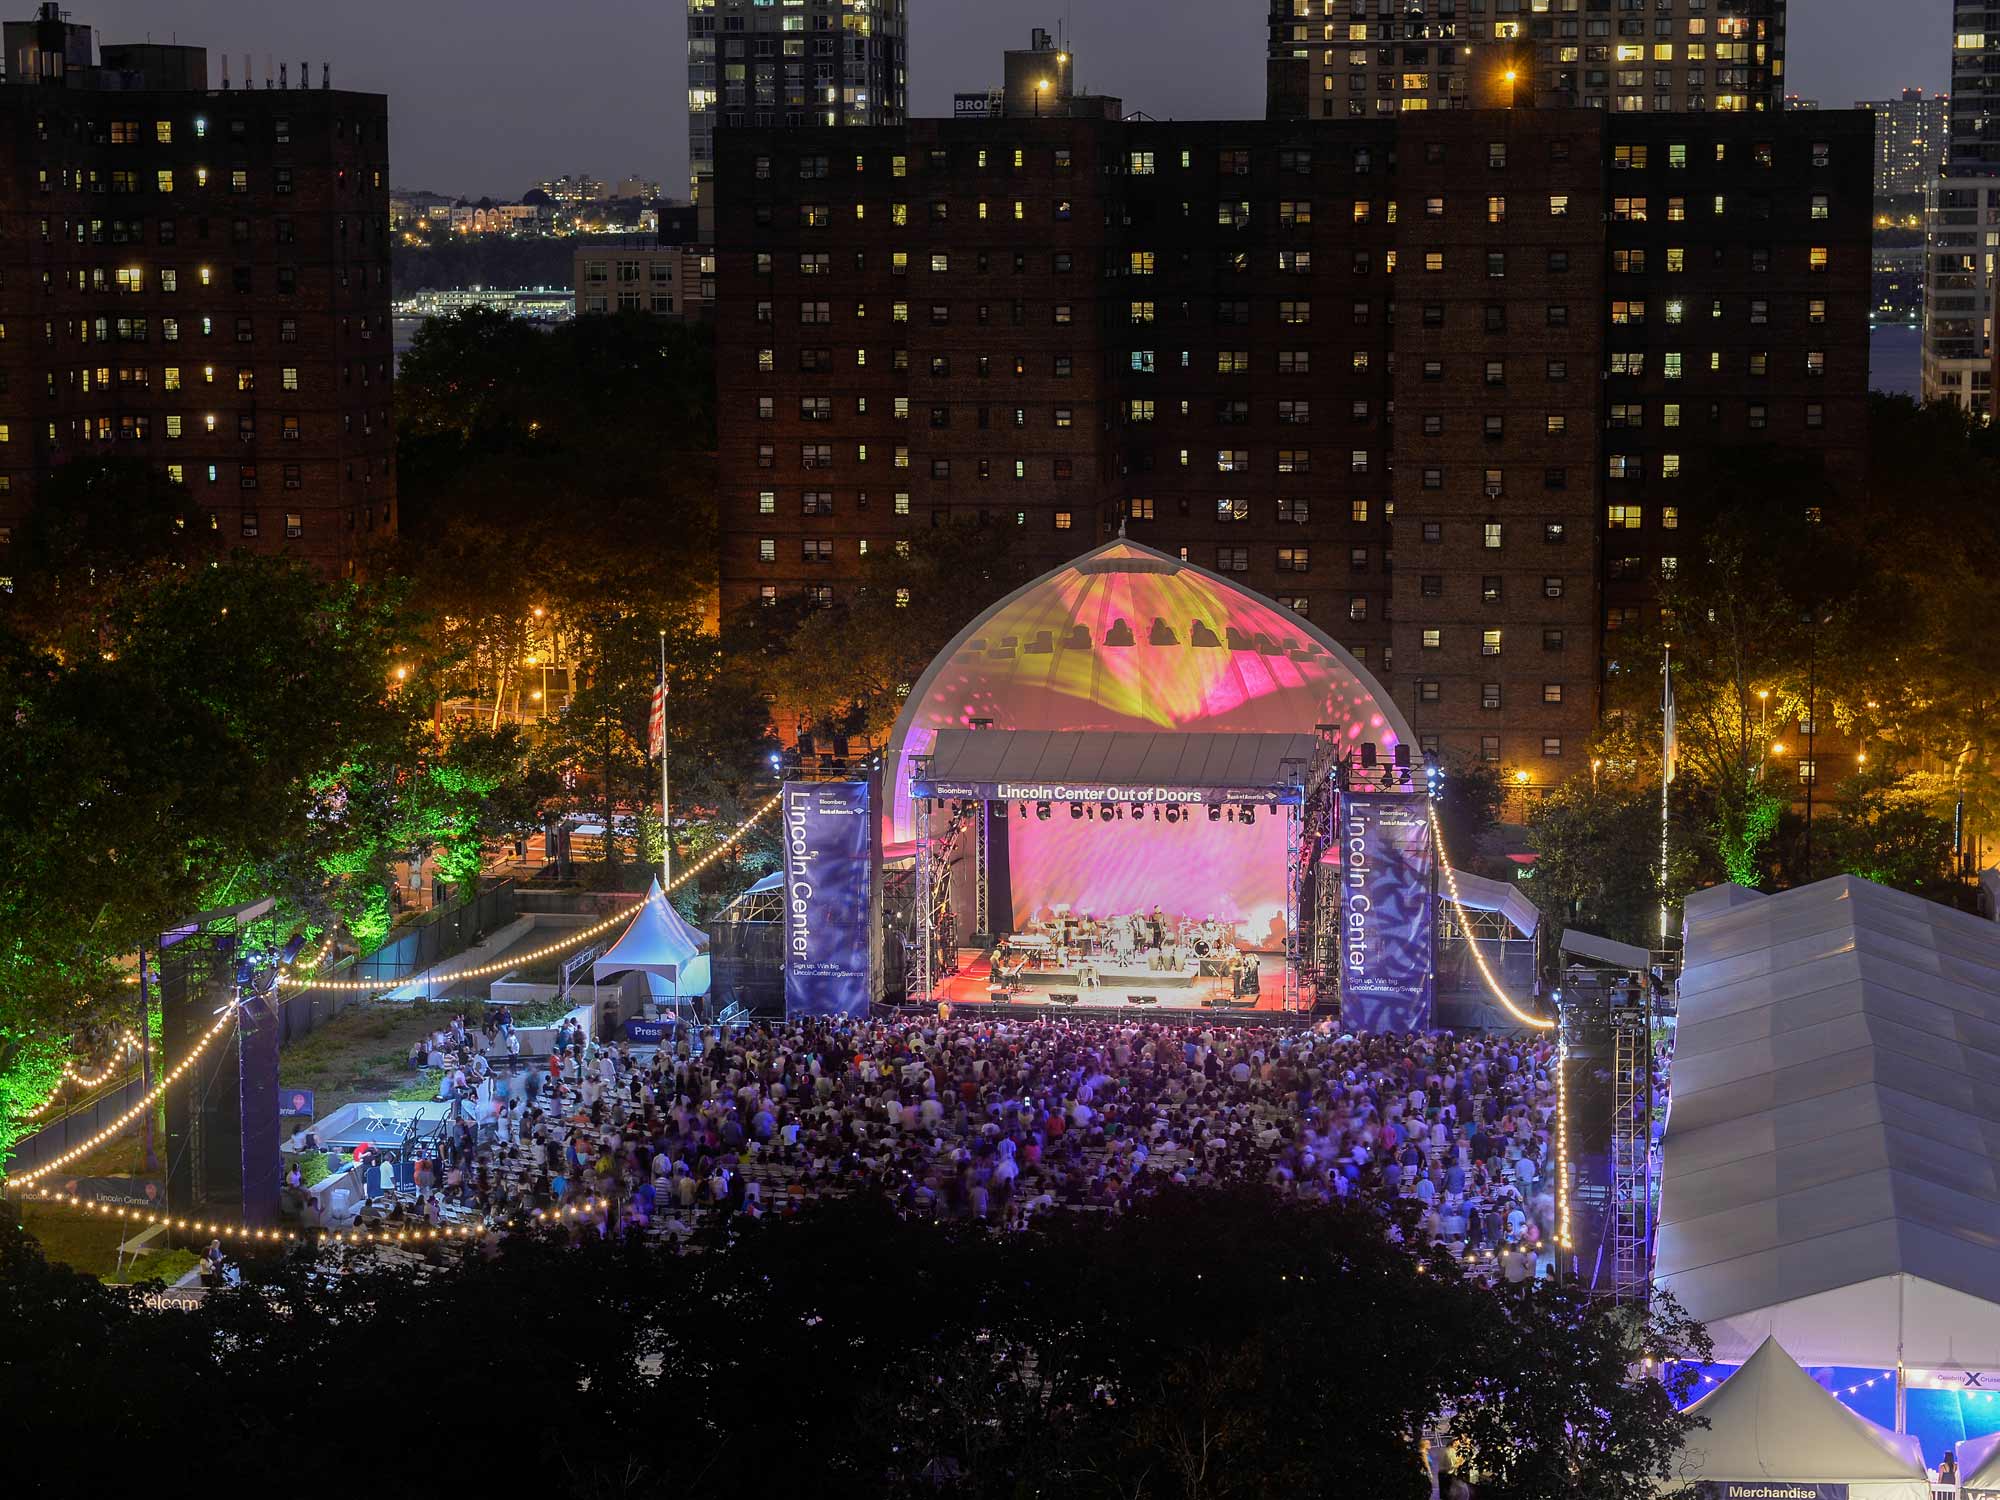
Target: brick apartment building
(1491,348)
(196,277)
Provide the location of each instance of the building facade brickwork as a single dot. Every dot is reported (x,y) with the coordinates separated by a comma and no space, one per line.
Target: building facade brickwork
(199,278)
(1437,381)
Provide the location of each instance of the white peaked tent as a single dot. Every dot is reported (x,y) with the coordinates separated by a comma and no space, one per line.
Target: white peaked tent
(1771,1423)
(1833,1150)
(1979,1464)
(661,944)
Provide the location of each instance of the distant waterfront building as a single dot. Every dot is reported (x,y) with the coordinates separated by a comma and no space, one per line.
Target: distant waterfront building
(809,62)
(669,281)
(1910,134)
(1350,59)
(197,278)
(569,192)
(1960,233)
(642,188)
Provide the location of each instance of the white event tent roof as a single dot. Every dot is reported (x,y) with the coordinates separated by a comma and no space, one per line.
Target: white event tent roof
(1770,1421)
(1832,1171)
(659,943)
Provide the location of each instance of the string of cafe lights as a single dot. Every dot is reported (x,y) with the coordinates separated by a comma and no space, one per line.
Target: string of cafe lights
(225,1230)
(128,1043)
(574,940)
(117,1127)
(1492,984)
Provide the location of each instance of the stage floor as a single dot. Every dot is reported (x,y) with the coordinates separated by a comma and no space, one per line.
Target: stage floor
(970,986)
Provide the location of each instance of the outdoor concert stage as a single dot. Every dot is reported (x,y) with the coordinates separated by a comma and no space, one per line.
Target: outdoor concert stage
(1136,785)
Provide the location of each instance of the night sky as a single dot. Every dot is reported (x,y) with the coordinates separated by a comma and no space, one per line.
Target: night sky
(486,96)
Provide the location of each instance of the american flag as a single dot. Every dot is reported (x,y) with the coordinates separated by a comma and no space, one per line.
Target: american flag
(656,726)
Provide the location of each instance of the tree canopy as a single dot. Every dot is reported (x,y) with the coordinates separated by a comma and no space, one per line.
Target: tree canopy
(1205,1345)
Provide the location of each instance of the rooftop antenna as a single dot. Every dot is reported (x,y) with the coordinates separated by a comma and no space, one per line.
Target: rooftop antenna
(325,74)
(225,70)
(282,82)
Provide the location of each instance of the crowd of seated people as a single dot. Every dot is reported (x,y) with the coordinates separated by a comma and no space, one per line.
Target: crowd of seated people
(1001,1119)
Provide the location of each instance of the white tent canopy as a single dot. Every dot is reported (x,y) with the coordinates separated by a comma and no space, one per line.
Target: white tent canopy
(1833,1151)
(1618,955)
(1979,1463)
(1478,893)
(659,942)
(1772,1422)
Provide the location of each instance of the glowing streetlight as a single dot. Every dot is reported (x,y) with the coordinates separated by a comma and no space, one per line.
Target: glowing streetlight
(1778,748)
(1041,88)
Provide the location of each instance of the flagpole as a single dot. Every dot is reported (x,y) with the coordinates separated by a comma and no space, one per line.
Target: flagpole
(1667,749)
(667,805)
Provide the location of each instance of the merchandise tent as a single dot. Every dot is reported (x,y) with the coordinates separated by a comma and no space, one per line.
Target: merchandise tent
(1771,1425)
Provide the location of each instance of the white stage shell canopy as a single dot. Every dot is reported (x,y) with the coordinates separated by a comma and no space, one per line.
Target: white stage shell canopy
(1832,1159)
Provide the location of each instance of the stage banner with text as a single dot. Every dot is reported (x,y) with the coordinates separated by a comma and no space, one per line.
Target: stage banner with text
(826,830)
(1386,974)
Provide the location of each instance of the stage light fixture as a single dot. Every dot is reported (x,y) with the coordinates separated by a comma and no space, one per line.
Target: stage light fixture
(1214,813)
(1231,810)
(1076,809)
(1042,811)
(1249,814)
(1173,815)
(1274,807)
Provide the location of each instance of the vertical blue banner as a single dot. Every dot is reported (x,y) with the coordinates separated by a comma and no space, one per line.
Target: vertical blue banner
(1386,975)
(828,921)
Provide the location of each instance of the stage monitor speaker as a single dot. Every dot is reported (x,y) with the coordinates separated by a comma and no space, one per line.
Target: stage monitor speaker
(1402,754)
(1062,997)
(1368,754)
(1142,999)
(997,995)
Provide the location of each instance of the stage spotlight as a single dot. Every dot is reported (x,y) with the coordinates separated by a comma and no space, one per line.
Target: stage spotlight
(1231,810)
(1076,809)
(1042,811)
(1274,807)
(1173,815)
(1249,813)
(1156,815)
(1214,813)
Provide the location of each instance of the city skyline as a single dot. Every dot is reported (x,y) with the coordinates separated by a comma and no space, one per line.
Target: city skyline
(482,103)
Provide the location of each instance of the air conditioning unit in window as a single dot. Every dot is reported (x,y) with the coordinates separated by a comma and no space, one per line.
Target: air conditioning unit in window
(1492,492)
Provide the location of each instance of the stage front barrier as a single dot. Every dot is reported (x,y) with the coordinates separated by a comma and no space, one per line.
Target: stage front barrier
(1386,912)
(828,917)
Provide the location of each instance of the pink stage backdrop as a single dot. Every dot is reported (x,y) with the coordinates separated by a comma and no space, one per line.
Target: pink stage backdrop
(1196,868)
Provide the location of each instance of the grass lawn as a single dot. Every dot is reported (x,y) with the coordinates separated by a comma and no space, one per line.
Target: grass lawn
(362,1053)
(81,1241)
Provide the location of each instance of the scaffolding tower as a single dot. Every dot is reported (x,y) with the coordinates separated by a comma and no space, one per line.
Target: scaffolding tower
(1631,1147)
(933,951)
